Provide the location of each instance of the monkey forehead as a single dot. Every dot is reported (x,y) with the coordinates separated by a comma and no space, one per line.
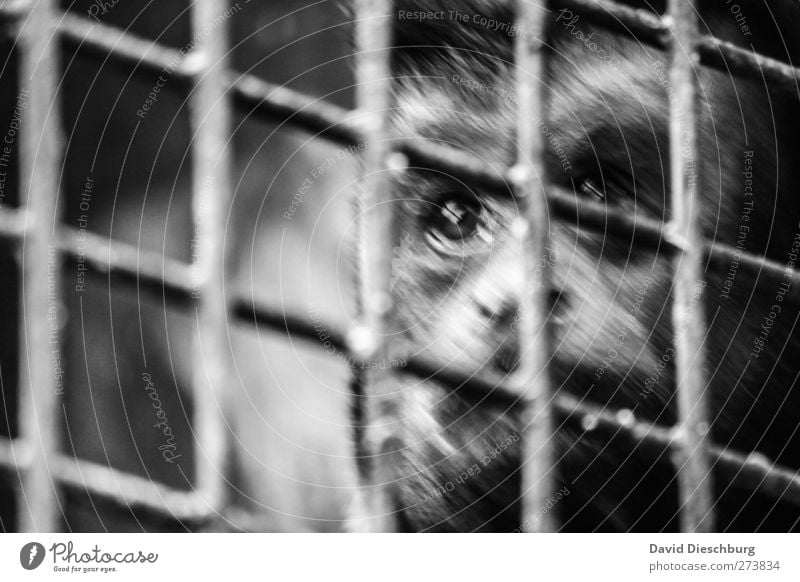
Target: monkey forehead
(605,73)
(614,102)
(461,112)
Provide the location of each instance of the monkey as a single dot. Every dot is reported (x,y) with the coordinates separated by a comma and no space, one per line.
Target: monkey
(449,461)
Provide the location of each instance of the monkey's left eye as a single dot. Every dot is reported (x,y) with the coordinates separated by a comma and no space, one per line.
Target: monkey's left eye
(455,220)
(589,187)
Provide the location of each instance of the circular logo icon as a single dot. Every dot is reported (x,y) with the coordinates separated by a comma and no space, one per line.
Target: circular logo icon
(31,555)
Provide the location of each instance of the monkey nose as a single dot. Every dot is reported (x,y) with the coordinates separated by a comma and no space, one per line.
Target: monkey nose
(500,313)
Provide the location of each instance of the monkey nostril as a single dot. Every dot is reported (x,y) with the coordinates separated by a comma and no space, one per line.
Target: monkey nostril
(500,314)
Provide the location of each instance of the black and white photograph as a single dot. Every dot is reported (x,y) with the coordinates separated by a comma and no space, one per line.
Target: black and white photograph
(274,269)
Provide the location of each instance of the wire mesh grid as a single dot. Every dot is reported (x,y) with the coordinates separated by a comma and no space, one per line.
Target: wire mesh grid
(41,469)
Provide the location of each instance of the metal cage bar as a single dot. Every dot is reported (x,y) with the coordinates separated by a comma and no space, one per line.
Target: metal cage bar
(210,118)
(688,313)
(40,158)
(33,457)
(373,86)
(713,52)
(530,179)
(370,340)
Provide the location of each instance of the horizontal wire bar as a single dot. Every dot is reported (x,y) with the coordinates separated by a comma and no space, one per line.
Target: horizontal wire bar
(752,471)
(175,278)
(315,115)
(343,126)
(149,270)
(15,455)
(642,25)
(127,47)
(121,487)
(14,223)
(748,64)
(281,321)
(131,491)
(714,52)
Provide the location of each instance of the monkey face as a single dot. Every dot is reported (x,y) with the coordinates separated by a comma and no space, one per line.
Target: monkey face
(458,264)
(458,278)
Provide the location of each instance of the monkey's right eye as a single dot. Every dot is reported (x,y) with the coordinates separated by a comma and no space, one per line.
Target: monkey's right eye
(453,221)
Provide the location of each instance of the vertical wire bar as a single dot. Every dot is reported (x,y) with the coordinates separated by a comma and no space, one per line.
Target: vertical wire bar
(694,476)
(529,176)
(369,340)
(40,156)
(211,117)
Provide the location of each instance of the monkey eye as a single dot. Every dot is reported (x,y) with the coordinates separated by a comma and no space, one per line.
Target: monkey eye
(589,187)
(454,220)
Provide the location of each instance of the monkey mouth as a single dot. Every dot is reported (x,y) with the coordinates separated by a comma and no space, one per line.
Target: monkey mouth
(583,378)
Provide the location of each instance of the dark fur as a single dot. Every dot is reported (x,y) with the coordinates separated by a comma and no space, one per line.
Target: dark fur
(611,122)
